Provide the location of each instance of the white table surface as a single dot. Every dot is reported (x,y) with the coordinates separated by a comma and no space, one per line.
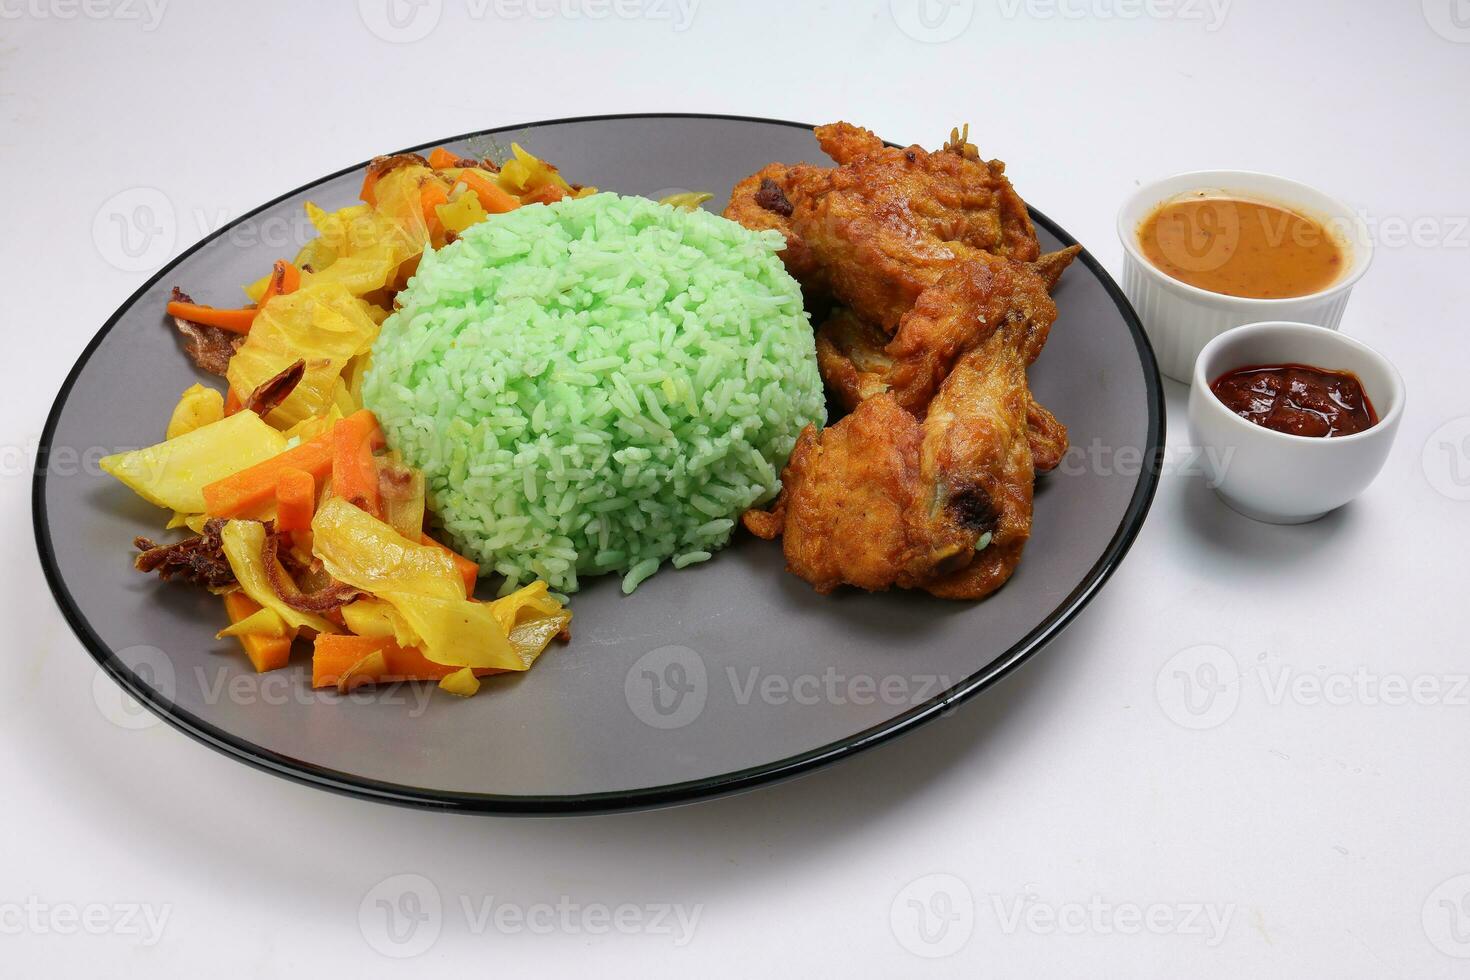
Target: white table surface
(1321,815)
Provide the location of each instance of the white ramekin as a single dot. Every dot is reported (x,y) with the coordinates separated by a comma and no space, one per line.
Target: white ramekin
(1181,319)
(1287,479)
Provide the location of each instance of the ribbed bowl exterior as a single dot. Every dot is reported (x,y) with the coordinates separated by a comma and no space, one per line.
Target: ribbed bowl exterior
(1179,326)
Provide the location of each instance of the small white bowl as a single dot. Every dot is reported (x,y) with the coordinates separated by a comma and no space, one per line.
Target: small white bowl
(1180,318)
(1288,479)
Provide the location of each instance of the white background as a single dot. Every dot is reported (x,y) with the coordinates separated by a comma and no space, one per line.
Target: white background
(1330,834)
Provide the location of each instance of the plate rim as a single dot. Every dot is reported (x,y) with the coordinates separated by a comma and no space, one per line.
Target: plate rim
(360,787)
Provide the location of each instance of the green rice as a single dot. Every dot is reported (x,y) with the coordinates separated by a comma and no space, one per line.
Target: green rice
(597,386)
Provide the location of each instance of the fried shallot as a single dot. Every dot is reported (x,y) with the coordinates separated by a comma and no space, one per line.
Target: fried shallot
(210,348)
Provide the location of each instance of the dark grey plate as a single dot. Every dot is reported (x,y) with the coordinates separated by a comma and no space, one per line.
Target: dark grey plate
(706,681)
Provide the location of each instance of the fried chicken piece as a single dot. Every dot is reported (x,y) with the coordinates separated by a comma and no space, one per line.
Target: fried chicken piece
(1051,265)
(858,361)
(846,143)
(942,300)
(882,499)
(886,223)
(986,459)
(1047,436)
(851,511)
(763,201)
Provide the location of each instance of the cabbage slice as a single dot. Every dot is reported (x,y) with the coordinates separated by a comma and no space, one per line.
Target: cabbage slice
(174,473)
(426,594)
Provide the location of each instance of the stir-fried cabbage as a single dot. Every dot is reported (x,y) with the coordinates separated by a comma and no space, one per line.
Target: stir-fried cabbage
(174,473)
(426,594)
(323,324)
(244,546)
(364,248)
(325,309)
(198,406)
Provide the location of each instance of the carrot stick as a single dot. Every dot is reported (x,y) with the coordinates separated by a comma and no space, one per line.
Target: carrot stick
(354,473)
(233,403)
(430,198)
(442,159)
(265,652)
(235,321)
(295,500)
(245,492)
(335,654)
(285,278)
(468,570)
(549,194)
(492,198)
(369,194)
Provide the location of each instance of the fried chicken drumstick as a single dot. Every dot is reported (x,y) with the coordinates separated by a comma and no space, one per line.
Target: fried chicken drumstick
(882,499)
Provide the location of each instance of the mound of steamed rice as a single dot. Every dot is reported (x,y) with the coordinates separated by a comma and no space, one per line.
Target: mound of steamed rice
(597,386)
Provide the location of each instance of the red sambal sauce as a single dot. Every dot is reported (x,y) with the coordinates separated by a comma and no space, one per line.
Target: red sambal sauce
(1297,399)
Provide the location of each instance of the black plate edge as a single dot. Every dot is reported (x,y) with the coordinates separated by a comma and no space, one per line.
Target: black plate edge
(651,797)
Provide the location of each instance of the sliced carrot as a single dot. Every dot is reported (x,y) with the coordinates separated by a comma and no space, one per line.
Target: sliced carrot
(430,198)
(368,194)
(247,491)
(233,403)
(492,198)
(265,652)
(354,472)
(549,194)
(235,321)
(295,500)
(285,278)
(442,159)
(334,654)
(468,570)
(244,493)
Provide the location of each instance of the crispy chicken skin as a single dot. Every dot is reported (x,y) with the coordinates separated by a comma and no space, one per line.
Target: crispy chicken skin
(846,143)
(762,201)
(979,425)
(882,499)
(882,226)
(1047,436)
(852,511)
(858,360)
(886,223)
